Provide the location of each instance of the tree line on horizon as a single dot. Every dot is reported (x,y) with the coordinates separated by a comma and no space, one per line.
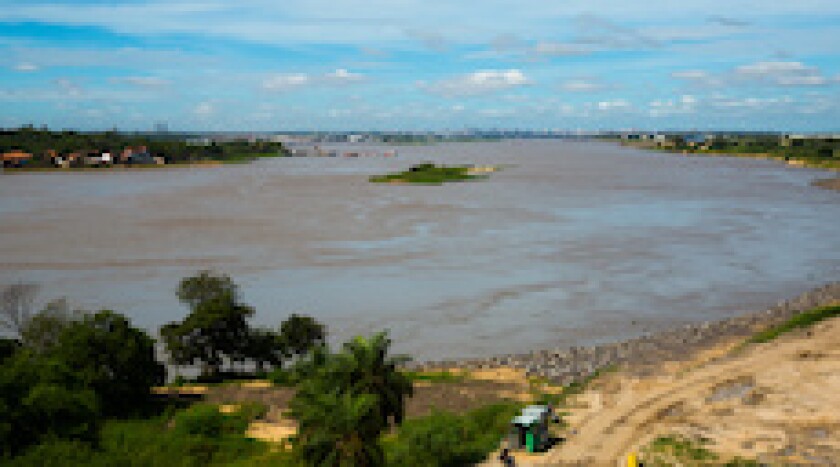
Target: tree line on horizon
(41,141)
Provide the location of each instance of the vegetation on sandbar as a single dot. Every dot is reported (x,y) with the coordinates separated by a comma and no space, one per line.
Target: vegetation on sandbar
(431,174)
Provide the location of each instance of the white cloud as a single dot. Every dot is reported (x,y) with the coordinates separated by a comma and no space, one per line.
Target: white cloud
(615,104)
(142,81)
(284,81)
(476,83)
(582,85)
(774,73)
(26,67)
(559,49)
(771,68)
(687,103)
(343,76)
(68,88)
(690,75)
(204,109)
(782,73)
(727,21)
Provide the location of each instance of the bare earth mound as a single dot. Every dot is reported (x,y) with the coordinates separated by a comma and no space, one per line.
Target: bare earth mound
(775,403)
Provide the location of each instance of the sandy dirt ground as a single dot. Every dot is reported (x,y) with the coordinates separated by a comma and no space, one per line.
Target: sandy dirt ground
(480,388)
(776,403)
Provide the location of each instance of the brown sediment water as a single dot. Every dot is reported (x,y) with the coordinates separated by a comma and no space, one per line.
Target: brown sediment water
(571,243)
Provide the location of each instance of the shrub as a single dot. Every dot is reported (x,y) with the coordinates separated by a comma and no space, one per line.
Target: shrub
(444,439)
(41,399)
(206,420)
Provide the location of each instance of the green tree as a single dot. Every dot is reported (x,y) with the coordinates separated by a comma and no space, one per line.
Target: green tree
(336,429)
(114,359)
(299,334)
(43,398)
(216,329)
(364,367)
(8,348)
(43,329)
(264,346)
(204,287)
(346,400)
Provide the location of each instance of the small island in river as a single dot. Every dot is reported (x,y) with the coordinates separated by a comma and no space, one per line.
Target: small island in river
(431,174)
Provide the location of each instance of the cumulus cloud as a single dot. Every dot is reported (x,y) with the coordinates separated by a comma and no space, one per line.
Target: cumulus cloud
(582,85)
(430,39)
(691,75)
(687,103)
(284,81)
(68,88)
(142,81)
(204,109)
(476,83)
(773,73)
(615,104)
(782,73)
(597,30)
(727,21)
(343,76)
(559,49)
(287,81)
(26,67)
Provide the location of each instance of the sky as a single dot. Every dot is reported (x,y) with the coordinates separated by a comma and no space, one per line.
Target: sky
(270,65)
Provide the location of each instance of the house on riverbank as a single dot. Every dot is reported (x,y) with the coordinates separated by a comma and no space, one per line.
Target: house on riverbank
(16,158)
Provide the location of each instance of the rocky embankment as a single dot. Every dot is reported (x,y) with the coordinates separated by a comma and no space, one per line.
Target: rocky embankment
(566,365)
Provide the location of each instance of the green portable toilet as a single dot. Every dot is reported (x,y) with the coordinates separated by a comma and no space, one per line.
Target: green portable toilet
(531,440)
(530,429)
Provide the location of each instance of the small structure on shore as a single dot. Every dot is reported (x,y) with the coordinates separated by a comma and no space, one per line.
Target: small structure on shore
(16,158)
(529,430)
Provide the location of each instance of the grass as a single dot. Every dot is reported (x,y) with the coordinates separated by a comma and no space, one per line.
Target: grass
(678,450)
(196,436)
(428,174)
(802,320)
(445,439)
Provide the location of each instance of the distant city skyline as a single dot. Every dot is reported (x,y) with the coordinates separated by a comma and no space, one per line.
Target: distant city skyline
(214,65)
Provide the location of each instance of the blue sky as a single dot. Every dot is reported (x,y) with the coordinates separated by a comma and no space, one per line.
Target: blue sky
(420,64)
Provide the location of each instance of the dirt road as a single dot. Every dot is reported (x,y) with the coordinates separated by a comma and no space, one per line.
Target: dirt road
(775,402)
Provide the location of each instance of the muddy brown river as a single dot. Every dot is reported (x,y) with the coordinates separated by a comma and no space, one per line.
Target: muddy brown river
(573,243)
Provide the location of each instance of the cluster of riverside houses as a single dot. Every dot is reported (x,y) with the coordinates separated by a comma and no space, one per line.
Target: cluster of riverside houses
(89,158)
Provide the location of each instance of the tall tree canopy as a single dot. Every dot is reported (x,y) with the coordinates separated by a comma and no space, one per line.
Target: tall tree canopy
(347,400)
(216,329)
(113,358)
(204,287)
(299,334)
(43,398)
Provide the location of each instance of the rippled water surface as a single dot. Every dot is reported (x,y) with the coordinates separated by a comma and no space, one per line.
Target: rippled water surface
(572,243)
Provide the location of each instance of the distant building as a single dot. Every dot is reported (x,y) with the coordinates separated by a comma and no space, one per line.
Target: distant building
(16,158)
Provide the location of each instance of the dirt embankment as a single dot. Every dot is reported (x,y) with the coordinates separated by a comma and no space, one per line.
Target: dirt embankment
(775,403)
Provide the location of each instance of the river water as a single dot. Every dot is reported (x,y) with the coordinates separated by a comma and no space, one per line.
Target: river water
(572,243)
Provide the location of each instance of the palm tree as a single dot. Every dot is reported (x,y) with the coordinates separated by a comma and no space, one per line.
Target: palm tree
(336,429)
(347,400)
(366,368)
